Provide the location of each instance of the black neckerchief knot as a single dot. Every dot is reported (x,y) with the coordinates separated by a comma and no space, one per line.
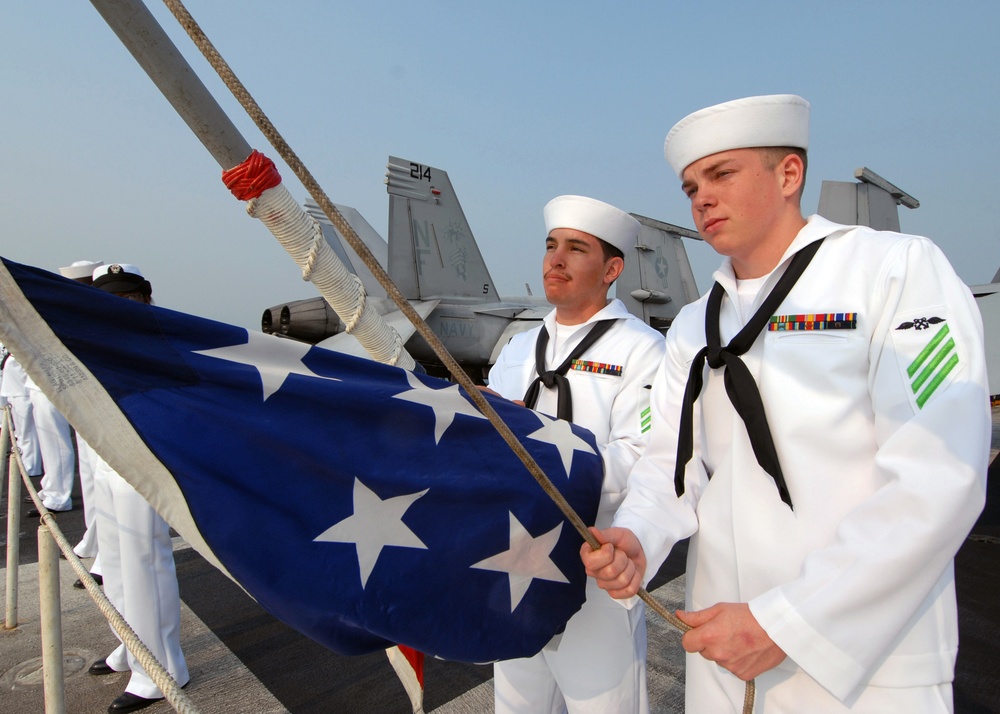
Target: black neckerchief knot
(740,384)
(555,378)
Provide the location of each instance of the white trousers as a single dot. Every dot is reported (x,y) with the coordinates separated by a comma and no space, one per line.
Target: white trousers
(56,445)
(139,578)
(597,666)
(87,460)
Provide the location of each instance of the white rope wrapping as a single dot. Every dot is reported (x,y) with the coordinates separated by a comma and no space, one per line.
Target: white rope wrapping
(300,235)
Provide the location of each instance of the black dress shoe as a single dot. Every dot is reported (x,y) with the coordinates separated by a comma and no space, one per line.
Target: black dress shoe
(35,513)
(100,667)
(129,702)
(97,578)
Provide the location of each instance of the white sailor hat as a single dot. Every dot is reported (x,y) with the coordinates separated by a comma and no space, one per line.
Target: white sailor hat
(771,120)
(121,278)
(80,269)
(599,219)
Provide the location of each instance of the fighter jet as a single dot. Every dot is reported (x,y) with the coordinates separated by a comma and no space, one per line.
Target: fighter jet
(432,256)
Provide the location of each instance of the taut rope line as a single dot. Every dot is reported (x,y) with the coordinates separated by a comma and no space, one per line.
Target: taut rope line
(292,160)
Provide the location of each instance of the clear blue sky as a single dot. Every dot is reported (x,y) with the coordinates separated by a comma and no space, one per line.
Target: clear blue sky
(518,101)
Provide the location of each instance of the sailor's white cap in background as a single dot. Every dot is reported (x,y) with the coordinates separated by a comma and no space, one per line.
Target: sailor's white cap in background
(80,269)
(599,219)
(770,120)
(121,278)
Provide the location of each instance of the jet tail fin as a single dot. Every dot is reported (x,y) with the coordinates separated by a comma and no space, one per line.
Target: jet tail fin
(432,252)
(657,280)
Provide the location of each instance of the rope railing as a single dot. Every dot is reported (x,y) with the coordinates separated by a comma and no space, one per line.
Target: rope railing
(48,566)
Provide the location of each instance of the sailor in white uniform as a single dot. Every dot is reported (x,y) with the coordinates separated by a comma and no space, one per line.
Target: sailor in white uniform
(136,553)
(82,271)
(821,430)
(592,363)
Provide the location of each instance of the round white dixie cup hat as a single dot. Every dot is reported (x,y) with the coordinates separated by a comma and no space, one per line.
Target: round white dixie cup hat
(599,219)
(770,120)
(80,269)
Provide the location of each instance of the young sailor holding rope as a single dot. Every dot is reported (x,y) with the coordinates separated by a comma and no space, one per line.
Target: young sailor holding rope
(591,362)
(831,458)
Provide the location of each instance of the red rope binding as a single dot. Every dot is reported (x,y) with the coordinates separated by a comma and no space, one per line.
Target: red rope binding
(251,178)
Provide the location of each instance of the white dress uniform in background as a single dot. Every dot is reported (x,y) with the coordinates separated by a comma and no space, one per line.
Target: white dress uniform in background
(873,381)
(83,271)
(13,389)
(136,553)
(140,578)
(87,460)
(598,664)
(55,443)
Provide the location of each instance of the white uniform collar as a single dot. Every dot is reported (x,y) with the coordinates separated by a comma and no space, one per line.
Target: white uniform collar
(816,227)
(615,309)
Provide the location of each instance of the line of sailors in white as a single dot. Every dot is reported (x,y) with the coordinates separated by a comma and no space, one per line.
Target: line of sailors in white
(129,541)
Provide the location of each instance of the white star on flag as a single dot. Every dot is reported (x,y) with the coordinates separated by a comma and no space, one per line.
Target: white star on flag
(274,359)
(527,558)
(446,403)
(375,524)
(559,433)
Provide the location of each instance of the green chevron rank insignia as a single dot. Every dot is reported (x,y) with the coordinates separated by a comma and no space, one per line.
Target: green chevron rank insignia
(646,419)
(938,358)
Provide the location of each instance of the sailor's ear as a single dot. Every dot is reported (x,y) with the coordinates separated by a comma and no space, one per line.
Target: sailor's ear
(614,268)
(792,173)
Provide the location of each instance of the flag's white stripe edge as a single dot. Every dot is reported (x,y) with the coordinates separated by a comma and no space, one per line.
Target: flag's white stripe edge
(408,678)
(81,398)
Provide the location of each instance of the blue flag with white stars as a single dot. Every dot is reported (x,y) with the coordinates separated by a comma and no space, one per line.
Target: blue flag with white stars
(359,503)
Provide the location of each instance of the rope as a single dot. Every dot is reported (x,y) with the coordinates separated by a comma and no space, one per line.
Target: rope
(300,235)
(257,181)
(292,160)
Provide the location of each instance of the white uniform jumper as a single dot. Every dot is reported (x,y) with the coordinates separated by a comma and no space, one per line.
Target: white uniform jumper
(598,664)
(882,430)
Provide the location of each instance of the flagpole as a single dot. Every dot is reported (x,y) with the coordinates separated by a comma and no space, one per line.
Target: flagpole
(156,53)
(297,232)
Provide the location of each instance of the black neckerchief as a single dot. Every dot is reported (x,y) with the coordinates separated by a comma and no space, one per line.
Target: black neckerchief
(555,377)
(740,385)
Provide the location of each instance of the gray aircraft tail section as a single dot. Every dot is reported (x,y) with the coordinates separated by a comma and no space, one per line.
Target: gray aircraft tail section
(657,280)
(432,252)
